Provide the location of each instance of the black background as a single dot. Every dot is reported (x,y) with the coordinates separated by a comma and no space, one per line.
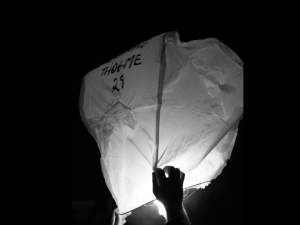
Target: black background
(93,45)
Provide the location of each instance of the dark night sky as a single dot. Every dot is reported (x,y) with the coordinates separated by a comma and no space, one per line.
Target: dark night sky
(93,45)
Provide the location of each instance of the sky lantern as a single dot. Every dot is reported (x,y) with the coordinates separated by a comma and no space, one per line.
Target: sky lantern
(163,103)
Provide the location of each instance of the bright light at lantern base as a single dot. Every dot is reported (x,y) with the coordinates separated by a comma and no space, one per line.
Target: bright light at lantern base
(161,208)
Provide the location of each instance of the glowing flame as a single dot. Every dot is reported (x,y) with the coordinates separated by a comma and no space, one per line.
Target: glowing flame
(161,208)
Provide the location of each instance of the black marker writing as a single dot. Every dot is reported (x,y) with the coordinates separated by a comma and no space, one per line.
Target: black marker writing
(115,87)
(133,60)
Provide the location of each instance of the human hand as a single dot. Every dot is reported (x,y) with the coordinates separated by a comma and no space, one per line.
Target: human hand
(118,219)
(168,190)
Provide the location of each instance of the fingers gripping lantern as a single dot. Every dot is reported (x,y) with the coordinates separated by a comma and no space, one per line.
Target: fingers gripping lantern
(163,103)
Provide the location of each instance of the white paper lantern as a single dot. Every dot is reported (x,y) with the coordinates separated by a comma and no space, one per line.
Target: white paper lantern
(163,103)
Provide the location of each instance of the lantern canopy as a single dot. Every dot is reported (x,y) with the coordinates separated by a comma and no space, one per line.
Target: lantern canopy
(163,103)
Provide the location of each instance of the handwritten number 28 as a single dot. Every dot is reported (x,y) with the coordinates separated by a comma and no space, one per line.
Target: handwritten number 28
(116,83)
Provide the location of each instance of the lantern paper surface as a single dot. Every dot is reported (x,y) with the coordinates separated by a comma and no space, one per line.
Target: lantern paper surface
(163,103)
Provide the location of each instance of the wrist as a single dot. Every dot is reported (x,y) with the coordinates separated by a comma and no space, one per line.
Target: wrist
(175,211)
